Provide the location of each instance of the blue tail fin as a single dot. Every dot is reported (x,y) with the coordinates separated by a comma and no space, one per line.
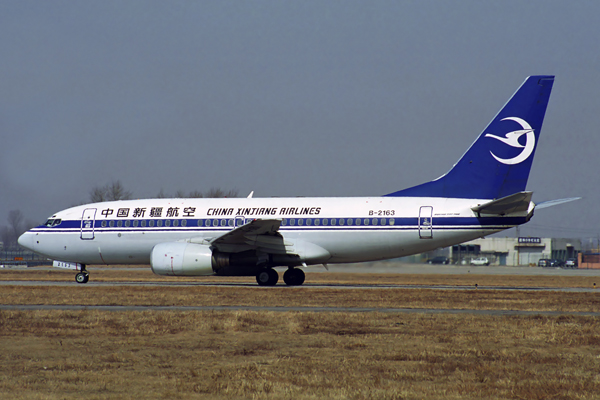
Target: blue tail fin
(498,163)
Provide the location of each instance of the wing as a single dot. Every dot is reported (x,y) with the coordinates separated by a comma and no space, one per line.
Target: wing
(260,234)
(263,235)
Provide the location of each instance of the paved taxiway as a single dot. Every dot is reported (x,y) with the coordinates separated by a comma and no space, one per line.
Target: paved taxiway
(305,286)
(297,309)
(375,268)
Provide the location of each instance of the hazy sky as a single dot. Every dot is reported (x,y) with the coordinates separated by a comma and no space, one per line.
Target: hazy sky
(307,98)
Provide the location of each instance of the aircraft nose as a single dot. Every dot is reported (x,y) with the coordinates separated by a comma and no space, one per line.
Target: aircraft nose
(26,240)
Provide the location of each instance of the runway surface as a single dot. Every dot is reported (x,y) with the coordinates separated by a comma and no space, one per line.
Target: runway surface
(282,286)
(299,309)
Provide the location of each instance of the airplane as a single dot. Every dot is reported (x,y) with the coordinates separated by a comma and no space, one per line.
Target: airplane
(483,193)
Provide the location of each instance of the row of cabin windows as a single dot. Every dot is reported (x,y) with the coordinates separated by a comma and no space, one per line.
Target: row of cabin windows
(230,222)
(143,223)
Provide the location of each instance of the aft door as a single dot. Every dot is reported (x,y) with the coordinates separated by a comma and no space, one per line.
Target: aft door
(87,224)
(426,222)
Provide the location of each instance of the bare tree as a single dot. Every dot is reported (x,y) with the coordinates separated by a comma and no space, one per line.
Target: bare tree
(109,192)
(212,193)
(218,192)
(6,237)
(16,226)
(196,194)
(15,223)
(116,191)
(161,194)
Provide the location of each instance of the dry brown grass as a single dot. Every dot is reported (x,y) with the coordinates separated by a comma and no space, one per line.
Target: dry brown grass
(266,355)
(299,296)
(284,355)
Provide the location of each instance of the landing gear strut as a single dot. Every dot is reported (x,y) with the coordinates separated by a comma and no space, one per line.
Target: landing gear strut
(83,276)
(267,277)
(293,277)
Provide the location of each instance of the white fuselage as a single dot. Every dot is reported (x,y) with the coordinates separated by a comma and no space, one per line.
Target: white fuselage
(349,229)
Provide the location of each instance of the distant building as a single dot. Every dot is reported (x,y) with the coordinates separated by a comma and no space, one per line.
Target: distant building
(515,251)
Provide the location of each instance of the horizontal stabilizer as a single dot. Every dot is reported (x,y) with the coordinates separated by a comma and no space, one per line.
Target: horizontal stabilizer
(517,202)
(550,203)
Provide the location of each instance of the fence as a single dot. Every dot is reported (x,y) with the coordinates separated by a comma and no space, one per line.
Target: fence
(13,258)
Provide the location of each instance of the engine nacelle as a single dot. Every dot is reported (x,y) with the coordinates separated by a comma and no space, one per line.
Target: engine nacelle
(181,259)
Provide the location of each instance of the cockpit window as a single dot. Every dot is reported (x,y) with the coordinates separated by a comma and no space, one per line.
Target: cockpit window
(52,222)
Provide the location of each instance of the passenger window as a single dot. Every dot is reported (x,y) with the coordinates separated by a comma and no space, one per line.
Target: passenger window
(325,221)
(135,223)
(143,222)
(333,221)
(366,221)
(292,222)
(392,221)
(230,222)
(300,221)
(119,223)
(215,222)
(207,222)
(223,222)
(184,222)
(103,224)
(111,223)
(308,221)
(342,221)
(151,223)
(167,222)
(127,223)
(318,222)
(374,221)
(357,221)
(284,222)
(349,221)
(383,221)
(175,222)
(159,222)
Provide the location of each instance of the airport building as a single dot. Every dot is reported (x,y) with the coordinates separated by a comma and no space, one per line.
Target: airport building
(515,251)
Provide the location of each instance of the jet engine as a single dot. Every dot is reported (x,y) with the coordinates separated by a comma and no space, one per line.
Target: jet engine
(192,259)
(182,259)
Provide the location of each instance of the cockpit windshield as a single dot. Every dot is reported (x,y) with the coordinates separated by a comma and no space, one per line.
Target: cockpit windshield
(52,222)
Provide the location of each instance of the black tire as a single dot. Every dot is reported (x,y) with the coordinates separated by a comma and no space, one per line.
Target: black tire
(294,277)
(267,277)
(81,278)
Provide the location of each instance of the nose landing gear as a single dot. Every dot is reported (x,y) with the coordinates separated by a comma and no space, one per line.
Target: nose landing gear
(83,276)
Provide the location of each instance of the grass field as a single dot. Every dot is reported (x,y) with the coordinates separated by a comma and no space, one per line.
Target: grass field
(284,355)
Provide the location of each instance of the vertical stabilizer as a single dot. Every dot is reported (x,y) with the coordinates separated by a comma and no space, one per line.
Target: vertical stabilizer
(498,163)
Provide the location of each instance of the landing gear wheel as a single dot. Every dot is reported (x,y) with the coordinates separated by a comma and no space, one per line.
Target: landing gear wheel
(294,277)
(267,277)
(82,277)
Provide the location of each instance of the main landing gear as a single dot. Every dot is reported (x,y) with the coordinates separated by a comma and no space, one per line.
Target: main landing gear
(291,277)
(83,276)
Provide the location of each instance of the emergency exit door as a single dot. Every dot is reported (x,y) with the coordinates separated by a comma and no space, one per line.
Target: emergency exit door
(426,222)
(87,224)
